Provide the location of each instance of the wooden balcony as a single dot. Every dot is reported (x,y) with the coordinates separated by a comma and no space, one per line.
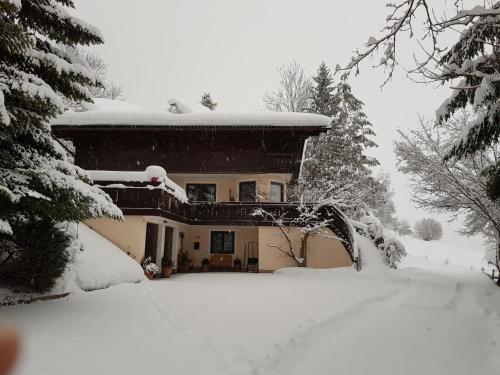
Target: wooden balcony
(158,202)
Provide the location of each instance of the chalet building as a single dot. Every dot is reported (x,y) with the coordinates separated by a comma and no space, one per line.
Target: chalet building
(219,167)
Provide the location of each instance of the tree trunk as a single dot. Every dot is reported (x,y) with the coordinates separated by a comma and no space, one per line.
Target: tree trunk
(498,262)
(303,248)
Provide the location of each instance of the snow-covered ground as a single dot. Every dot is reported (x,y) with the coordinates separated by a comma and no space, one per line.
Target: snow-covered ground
(440,319)
(442,252)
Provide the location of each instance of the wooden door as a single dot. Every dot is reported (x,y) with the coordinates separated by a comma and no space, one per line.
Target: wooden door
(151,246)
(167,245)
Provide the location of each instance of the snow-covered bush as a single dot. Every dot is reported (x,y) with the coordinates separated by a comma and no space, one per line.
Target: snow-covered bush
(429,229)
(150,267)
(394,251)
(374,229)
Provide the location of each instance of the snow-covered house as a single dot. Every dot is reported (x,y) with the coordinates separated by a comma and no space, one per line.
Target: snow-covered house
(220,168)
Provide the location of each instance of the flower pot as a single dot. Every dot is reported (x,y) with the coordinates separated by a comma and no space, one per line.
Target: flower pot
(149,275)
(205,267)
(166,271)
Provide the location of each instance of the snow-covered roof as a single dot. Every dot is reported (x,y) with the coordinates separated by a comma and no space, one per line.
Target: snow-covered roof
(105,112)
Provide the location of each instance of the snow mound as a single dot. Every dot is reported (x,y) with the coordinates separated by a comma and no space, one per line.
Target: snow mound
(100,264)
(179,106)
(111,105)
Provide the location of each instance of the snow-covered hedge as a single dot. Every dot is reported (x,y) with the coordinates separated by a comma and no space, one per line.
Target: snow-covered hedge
(393,251)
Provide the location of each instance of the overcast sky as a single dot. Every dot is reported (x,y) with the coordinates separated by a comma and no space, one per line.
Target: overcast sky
(158,49)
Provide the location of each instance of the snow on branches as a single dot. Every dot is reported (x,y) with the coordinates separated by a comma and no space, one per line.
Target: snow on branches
(310,221)
(470,65)
(459,187)
(36,179)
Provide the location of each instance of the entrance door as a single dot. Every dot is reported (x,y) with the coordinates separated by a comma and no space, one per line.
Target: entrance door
(167,245)
(248,191)
(151,246)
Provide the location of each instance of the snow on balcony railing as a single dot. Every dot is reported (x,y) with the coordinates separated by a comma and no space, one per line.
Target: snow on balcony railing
(153,174)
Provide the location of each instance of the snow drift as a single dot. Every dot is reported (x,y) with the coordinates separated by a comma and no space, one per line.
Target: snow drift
(100,264)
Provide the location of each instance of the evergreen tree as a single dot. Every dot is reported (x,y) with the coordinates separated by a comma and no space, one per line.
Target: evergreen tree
(322,92)
(351,127)
(207,101)
(36,179)
(336,161)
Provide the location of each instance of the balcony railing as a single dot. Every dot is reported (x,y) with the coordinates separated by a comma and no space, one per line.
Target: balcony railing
(157,202)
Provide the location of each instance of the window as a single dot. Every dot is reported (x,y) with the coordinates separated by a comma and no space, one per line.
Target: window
(222,242)
(201,192)
(248,191)
(277,192)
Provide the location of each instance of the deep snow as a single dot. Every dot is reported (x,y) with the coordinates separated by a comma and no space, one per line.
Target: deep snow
(115,112)
(99,264)
(296,321)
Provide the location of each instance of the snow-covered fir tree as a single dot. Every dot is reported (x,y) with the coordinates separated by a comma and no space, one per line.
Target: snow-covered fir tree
(321,100)
(208,101)
(36,180)
(336,161)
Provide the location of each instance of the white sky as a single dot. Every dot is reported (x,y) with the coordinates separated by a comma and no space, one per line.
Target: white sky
(157,49)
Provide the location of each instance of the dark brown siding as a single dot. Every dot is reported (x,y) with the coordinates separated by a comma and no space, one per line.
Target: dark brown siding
(190,151)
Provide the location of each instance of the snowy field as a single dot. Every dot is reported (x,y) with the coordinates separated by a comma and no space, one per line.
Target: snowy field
(427,318)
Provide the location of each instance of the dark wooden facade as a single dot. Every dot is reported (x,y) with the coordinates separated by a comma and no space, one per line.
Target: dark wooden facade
(189,150)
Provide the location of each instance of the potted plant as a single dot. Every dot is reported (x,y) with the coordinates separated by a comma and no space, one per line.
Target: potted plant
(237,265)
(150,268)
(205,264)
(166,267)
(184,261)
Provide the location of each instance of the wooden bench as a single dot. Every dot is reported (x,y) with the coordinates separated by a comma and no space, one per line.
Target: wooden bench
(221,261)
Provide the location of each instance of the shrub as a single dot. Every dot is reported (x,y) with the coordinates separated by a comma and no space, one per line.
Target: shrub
(394,251)
(374,228)
(149,267)
(429,229)
(35,256)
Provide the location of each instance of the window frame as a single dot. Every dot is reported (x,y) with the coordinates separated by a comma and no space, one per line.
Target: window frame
(254,182)
(201,184)
(282,195)
(233,242)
